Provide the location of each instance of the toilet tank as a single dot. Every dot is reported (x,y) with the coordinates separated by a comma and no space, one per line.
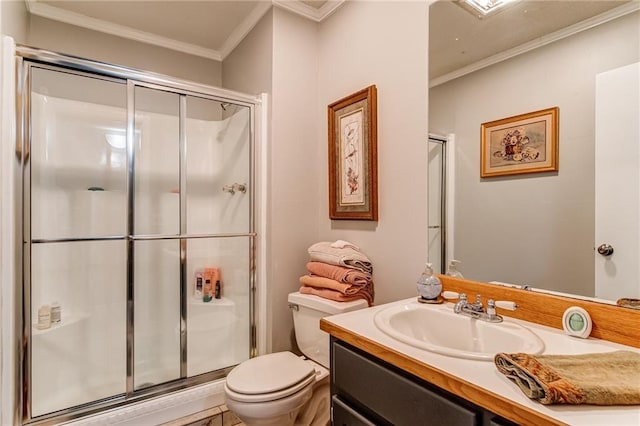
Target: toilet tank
(307,310)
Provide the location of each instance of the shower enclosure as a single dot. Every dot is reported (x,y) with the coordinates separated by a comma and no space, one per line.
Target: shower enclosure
(437,228)
(138,234)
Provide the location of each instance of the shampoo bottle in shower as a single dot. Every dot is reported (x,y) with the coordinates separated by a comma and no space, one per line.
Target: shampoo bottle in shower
(207,291)
(56,313)
(216,281)
(44,317)
(218,290)
(198,285)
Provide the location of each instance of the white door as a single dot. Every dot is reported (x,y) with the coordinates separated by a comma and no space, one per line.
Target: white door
(617,188)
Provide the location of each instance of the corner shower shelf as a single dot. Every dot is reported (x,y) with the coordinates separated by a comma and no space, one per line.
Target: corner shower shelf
(67,320)
(214,302)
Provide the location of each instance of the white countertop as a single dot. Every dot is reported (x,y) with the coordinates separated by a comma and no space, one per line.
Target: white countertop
(485,374)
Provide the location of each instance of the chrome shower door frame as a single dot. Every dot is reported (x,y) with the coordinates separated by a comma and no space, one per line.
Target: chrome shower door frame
(26,58)
(442,226)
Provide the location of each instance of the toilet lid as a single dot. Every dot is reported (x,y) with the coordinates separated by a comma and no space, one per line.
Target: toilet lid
(269,373)
(297,390)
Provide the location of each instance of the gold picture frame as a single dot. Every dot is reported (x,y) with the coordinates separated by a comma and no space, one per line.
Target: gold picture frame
(525,143)
(353,167)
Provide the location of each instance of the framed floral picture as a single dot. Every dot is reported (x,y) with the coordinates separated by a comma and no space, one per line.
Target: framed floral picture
(353,168)
(526,143)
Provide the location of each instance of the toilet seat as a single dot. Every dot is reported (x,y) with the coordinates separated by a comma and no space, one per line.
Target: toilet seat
(269,377)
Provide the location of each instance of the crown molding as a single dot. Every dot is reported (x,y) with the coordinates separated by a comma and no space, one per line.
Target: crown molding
(309,12)
(239,33)
(610,15)
(245,27)
(51,12)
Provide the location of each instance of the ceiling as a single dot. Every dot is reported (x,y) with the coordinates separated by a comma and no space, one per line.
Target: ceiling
(459,41)
(207,28)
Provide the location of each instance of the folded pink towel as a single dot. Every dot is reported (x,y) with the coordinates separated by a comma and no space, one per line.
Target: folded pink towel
(339,273)
(322,282)
(336,295)
(344,288)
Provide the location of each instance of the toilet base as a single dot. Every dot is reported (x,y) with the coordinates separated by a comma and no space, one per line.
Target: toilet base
(285,420)
(281,412)
(315,410)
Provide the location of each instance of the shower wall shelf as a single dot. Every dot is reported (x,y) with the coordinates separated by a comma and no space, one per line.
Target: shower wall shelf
(223,301)
(67,320)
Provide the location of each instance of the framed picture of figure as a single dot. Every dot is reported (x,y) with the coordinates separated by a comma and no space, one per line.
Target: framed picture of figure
(353,168)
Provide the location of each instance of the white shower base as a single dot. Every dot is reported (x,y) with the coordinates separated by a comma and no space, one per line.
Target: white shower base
(161,409)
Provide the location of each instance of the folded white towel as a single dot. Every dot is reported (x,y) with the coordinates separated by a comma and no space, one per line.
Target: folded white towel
(347,256)
(343,244)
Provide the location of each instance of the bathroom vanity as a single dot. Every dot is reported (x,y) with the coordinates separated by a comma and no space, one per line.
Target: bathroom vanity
(369,391)
(377,379)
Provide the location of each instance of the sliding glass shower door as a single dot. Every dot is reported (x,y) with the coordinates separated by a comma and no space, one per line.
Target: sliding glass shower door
(139,239)
(218,211)
(77,187)
(155,246)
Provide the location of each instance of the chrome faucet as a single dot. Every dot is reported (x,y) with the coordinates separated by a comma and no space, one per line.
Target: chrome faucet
(477,311)
(463,306)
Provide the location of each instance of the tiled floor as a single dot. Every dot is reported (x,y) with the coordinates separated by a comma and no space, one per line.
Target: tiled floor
(217,416)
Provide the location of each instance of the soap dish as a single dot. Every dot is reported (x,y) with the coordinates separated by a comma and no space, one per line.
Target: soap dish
(435,301)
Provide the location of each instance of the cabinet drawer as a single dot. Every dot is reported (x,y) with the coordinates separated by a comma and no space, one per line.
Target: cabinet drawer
(343,415)
(392,396)
(499,421)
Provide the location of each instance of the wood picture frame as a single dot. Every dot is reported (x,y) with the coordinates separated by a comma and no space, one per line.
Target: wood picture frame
(353,166)
(525,143)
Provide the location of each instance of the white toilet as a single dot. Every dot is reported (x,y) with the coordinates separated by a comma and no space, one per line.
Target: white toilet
(278,388)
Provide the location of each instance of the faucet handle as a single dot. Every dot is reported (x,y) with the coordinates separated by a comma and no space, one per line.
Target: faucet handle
(505,304)
(491,307)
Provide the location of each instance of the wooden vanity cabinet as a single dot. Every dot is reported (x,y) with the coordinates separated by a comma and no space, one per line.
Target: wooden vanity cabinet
(368,391)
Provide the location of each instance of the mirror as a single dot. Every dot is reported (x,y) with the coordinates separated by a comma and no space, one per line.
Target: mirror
(537,229)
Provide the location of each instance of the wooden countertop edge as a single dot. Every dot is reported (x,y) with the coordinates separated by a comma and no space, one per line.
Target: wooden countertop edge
(610,322)
(477,395)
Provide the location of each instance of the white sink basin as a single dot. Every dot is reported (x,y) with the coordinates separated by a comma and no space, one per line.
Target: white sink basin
(437,328)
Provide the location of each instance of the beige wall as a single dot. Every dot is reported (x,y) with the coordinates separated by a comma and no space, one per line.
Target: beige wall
(382,43)
(265,61)
(536,229)
(64,38)
(294,164)
(14,20)
(248,68)
(312,66)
